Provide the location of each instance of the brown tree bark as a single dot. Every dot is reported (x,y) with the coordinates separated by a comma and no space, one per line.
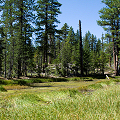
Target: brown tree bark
(20,39)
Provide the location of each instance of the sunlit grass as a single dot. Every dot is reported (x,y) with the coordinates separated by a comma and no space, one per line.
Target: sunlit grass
(63,104)
(74,99)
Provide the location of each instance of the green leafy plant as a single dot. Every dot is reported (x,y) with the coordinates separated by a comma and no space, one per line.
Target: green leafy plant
(2,89)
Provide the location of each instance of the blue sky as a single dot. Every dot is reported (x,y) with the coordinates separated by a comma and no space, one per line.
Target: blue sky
(84,10)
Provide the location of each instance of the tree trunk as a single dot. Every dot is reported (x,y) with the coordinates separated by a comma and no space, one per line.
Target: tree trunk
(25,70)
(45,41)
(5,62)
(103,57)
(117,49)
(110,55)
(109,61)
(11,56)
(114,55)
(20,40)
(18,68)
(50,49)
(81,49)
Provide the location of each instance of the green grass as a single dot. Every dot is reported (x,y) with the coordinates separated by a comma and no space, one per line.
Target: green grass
(44,82)
(74,99)
(55,83)
(62,105)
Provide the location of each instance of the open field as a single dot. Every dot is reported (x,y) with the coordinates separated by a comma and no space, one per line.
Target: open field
(73,99)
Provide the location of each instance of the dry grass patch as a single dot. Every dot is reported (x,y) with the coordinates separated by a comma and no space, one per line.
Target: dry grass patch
(15,87)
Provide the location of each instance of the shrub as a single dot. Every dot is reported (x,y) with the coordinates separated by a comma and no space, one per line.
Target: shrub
(2,89)
(6,82)
(22,82)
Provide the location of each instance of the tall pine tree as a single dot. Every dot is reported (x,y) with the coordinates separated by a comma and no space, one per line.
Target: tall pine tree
(47,11)
(110,18)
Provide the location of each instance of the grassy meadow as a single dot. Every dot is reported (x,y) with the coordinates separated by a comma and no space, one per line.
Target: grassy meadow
(60,99)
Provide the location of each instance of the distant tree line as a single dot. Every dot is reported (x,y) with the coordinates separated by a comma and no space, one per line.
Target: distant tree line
(24,21)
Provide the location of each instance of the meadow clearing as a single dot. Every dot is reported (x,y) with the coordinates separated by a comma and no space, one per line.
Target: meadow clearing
(70,99)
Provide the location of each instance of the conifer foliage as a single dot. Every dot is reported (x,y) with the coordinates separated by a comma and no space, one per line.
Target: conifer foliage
(47,10)
(63,52)
(110,21)
(15,18)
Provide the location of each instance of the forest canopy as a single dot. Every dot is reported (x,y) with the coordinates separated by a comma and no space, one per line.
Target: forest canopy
(56,52)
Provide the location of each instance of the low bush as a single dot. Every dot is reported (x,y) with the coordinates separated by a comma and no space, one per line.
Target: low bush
(2,89)
(6,82)
(22,82)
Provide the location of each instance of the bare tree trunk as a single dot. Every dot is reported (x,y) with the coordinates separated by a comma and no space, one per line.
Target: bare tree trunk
(11,56)
(109,61)
(20,39)
(25,70)
(117,49)
(24,53)
(116,72)
(5,62)
(54,50)
(50,49)
(103,58)
(81,49)
(45,61)
(114,55)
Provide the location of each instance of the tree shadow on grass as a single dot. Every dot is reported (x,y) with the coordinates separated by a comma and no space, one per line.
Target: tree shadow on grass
(41,86)
(97,76)
(28,82)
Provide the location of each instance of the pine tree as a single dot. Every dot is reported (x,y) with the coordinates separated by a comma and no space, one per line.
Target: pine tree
(55,8)
(58,46)
(65,58)
(15,21)
(38,60)
(61,40)
(5,25)
(109,47)
(98,53)
(1,48)
(93,40)
(76,54)
(10,57)
(71,40)
(86,53)
(47,11)
(65,30)
(23,32)
(110,17)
